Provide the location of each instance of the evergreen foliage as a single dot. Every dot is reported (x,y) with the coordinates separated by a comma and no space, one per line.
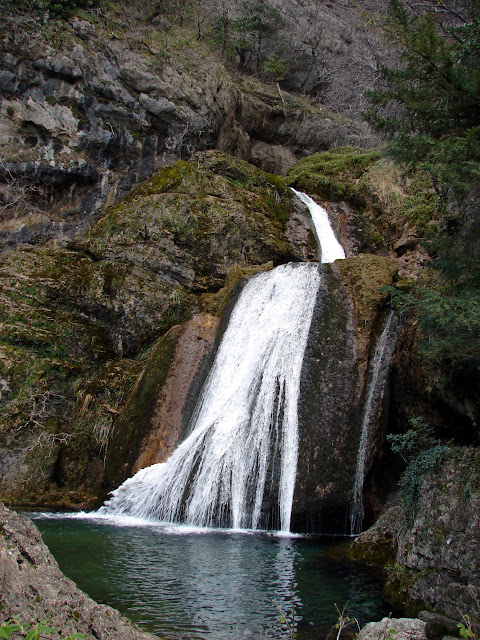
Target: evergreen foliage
(275,67)
(429,107)
(429,110)
(423,454)
(448,308)
(241,33)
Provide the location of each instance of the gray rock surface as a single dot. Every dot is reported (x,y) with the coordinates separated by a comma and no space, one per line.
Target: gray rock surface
(438,558)
(432,548)
(86,115)
(394,628)
(33,588)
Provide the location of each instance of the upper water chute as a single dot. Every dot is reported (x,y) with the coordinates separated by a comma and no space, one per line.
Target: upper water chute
(238,464)
(330,248)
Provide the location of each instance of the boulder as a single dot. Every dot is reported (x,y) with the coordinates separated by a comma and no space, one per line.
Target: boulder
(394,629)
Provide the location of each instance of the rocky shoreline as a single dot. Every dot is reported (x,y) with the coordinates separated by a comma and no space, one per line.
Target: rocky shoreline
(34,590)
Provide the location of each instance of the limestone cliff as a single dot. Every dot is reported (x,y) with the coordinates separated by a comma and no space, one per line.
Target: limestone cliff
(92,107)
(85,325)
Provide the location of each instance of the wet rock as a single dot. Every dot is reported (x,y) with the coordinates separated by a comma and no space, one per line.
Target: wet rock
(328,420)
(377,546)
(438,626)
(334,383)
(178,243)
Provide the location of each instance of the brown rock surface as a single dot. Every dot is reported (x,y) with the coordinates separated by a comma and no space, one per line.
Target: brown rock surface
(192,346)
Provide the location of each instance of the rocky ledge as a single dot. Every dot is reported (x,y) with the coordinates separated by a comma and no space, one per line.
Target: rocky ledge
(429,547)
(33,589)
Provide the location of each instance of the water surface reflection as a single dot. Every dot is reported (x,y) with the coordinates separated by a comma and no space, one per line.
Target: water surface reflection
(211,585)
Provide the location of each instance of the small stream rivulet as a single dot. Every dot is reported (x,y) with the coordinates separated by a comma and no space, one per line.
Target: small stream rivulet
(155,550)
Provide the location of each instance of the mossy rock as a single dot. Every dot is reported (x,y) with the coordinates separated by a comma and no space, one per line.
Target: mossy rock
(333,174)
(193,221)
(376,546)
(367,277)
(133,423)
(215,303)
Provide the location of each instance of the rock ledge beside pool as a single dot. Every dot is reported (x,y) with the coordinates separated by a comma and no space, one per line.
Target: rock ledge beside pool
(33,589)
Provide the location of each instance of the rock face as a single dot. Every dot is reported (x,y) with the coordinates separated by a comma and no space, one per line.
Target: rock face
(398,628)
(438,557)
(33,589)
(349,310)
(430,549)
(77,321)
(378,545)
(87,114)
(420,390)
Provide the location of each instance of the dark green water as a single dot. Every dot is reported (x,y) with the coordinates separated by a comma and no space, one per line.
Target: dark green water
(211,585)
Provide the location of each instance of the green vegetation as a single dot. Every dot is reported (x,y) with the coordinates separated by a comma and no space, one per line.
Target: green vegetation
(423,453)
(333,174)
(241,34)
(429,111)
(16,629)
(448,309)
(60,8)
(429,107)
(275,67)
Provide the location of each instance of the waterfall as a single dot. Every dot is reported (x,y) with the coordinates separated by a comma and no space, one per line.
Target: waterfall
(238,462)
(330,248)
(244,430)
(379,370)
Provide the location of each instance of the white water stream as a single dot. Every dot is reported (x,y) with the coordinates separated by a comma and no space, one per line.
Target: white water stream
(240,457)
(330,248)
(379,370)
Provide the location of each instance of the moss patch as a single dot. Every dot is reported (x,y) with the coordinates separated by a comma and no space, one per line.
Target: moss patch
(215,303)
(195,220)
(365,276)
(133,424)
(334,174)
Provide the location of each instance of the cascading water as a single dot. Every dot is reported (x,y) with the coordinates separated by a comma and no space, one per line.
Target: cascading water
(331,249)
(379,370)
(239,460)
